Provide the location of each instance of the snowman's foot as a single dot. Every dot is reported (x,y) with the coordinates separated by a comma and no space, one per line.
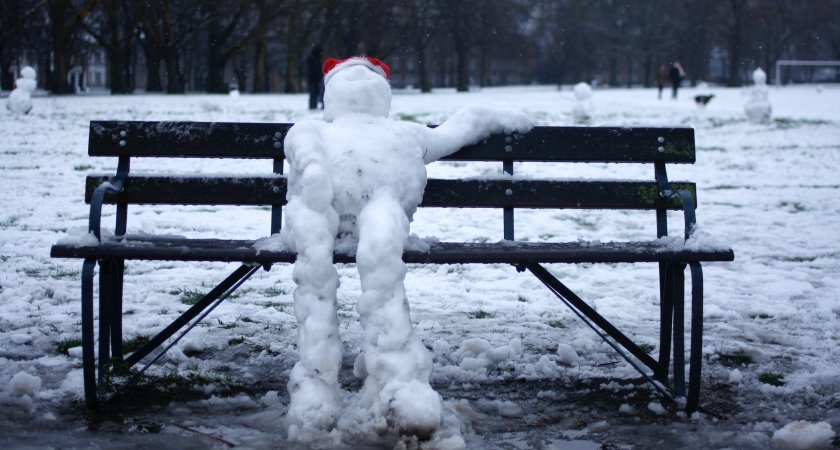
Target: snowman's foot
(313,410)
(414,409)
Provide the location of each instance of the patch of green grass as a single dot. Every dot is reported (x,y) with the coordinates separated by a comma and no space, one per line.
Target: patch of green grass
(481,314)
(795,207)
(408,117)
(62,346)
(786,122)
(82,167)
(162,389)
(796,259)
(135,343)
(556,324)
(718,123)
(583,223)
(65,274)
(226,326)
(188,296)
(278,306)
(236,341)
(772,378)
(737,358)
(647,348)
(273,292)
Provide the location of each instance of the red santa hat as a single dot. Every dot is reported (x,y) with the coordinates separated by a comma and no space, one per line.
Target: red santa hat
(332,66)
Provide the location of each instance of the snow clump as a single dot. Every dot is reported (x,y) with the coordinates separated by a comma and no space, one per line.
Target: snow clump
(803,435)
(24,384)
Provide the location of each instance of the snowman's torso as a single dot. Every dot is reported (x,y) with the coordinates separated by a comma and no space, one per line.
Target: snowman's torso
(373,156)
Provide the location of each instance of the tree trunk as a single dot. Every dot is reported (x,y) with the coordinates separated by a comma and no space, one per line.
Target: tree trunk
(735,43)
(216,83)
(423,73)
(260,67)
(153,81)
(174,78)
(118,71)
(7,79)
(58,74)
(648,69)
(613,68)
(462,67)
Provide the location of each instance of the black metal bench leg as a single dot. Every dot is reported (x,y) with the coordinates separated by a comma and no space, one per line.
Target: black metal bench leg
(88,360)
(117,272)
(105,284)
(666,310)
(678,271)
(696,357)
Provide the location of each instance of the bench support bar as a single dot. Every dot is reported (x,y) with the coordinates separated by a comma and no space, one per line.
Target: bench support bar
(110,320)
(676,295)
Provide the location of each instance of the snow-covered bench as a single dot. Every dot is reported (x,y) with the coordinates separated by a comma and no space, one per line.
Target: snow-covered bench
(656,146)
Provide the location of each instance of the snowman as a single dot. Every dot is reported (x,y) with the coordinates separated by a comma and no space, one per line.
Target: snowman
(20,100)
(355,182)
(582,109)
(758,107)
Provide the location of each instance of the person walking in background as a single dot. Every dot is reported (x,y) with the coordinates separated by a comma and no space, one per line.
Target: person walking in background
(315,78)
(676,74)
(661,77)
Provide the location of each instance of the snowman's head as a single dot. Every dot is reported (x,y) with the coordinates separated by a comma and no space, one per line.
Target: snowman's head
(357,85)
(28,73)
(759,77)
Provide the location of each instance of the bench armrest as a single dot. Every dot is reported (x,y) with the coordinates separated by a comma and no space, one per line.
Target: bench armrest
(95,218)
(687,200)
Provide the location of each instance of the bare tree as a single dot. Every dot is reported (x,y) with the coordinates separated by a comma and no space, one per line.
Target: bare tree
(114,26)
(66,17)
(166,27)
(14,15)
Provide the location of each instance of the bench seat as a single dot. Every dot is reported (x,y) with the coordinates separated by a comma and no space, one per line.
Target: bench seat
(177,248)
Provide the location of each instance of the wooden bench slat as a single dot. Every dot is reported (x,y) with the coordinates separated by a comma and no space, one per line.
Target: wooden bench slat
(140,247)
(468,193)
(264,140)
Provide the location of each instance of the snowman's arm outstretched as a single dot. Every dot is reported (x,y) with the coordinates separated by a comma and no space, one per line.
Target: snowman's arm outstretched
(468,126)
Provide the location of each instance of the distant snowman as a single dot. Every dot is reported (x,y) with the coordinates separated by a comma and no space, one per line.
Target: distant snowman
(20,100)
(758,107)
(355,182)
(582,110)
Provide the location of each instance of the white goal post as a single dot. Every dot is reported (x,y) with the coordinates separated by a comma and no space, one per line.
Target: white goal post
(796,62)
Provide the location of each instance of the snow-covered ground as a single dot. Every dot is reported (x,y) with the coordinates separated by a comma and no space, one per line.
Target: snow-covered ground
(773,315)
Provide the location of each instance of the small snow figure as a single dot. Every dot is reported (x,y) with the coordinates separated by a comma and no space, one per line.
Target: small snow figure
(20,100)
(758,106)
(356,180)
(582,110)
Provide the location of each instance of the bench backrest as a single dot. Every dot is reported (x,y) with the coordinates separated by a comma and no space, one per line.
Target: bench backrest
(659,146)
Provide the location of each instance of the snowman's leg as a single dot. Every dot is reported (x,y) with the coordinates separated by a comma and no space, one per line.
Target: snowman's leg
(398,366)
(313,382)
